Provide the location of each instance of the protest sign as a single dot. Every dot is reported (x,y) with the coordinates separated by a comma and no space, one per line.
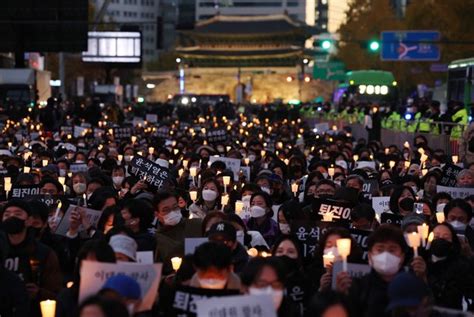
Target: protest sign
(98,133)
(230,163)
(450,172)
(145,257)
(381,204)
(186,298)
(354,270)
(338,209)
(309,234)
(79,131)
(138,122)
(66,129)
(78,167)
(360,236)
(321,127)
(151,118)
(190,244)
(162,132)
(22,191)
(95,274)
(237,306)
(456,192)
(218,135)
(370,188)
(92,216)
(153,173)
(122,133)
(390,218)
(49,200)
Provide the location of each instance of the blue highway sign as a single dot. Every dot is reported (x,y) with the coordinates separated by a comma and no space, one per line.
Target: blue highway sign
(410,46)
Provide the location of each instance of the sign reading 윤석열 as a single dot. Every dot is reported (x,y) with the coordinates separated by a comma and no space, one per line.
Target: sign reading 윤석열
(153,173)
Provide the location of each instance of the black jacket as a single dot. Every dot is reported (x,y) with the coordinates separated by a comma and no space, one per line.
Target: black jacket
(14,301)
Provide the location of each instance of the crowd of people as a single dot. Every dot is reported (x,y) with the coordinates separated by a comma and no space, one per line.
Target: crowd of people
(274,200)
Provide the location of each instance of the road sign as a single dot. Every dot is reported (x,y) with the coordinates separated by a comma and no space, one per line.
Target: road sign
(410,46)
(329,71)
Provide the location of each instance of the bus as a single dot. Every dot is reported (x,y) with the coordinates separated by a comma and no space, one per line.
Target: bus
(460,81)
(371,86)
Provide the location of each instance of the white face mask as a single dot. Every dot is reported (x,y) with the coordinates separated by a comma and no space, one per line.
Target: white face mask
(117,180)
(62,172)
(251,157)
(101,159)
(172,218)
(435,259)
(257,211)
(276,294)
(240,235)
(212,283)
(332,251)
(127,158)
(385,263)
(284,228)
(266,190)
(79,188)
(458,225)
(209,195)
(440,207)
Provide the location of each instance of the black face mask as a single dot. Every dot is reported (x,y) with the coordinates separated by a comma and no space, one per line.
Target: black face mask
(36,232)
(407,204)
(289,263)
(295,169)
(441,248)
(13,225)
(325,196)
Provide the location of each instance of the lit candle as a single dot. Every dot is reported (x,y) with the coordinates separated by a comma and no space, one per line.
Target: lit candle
(294,188)
(424,171)
(48,308)
(414,242)
(44,162)
(287,161)
(406,144)
(193,195)
(455,159)
(226,180)
(84,197)
(224,200)
(134,139)
(331,171)
(440,216)
(193,171)
(58,209)
(355,157)
(176,262)
(120,158)
(344,249)
(423,158)
(7,180)
(175,151)
(252,252)
(151,150)
(328,259)
(239,206)
(140,153)
(387,150)
(430,239)
(423,231)
(180,172)
(69,174)
(327,217)
(62,180)
(8,187)
(247,161)
(391,164)
(262,153)
(26,169)
(407,164)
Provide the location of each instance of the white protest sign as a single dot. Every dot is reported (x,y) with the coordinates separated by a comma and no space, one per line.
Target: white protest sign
(152,118)
(92,215)
(190,244)
(230,163)
(321,127)
(354,270)
(364,164)
(79,131)
(75,168)
(95,274)
(455,192)
(381,204)
(145,257)
(237,306)
(138,121)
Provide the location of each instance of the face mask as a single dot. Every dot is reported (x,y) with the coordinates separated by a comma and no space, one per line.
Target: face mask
(406,204)
(127,158)
(415,189)
(101,159)
(81,144)
(240,235)
(332,251)
(458,225)
(257,211)
(338,183)
(406,156)
(325,175)
(212,283)
(251,157)
(266,190)
(79,188)
(277,295)
(385,263)
(62,172)
(441,248)
(14,225)
(284,228)
(117,180)
(172,218)
(209,195)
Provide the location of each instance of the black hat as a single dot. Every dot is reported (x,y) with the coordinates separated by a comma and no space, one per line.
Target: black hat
(20,203)
(222,231)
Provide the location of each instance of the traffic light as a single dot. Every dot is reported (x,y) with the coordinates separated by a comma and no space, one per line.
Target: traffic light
(374,46)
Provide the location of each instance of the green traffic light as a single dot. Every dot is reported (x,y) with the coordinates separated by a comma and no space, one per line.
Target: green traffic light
(326,44)
(374,46)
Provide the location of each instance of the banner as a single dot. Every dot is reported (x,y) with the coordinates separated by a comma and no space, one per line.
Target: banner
(22,191)
(381,204)
(95,274)
(360,236)
(450,173)
(218,135)
(153,173)
(122,133)
(364,164)
(162,132)
(230,163)
(186,298)
(370,188)
(78,167)
(92,215)
(79,131)
(151,118)
(456,192)
(340,210)
(320,128)
(390,218)
(237,306)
